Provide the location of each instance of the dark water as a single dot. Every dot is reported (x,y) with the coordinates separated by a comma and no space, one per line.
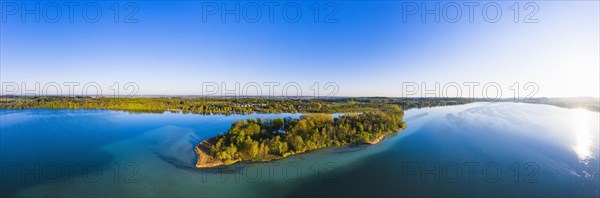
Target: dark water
(480,149)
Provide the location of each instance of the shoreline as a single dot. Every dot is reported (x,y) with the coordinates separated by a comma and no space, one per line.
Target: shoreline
(205,160)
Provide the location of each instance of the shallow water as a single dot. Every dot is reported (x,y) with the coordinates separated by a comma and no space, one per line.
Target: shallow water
(479,149)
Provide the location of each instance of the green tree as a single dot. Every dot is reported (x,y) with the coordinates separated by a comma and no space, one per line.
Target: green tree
(297,143)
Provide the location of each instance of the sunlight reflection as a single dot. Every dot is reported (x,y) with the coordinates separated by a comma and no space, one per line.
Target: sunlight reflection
(582,134)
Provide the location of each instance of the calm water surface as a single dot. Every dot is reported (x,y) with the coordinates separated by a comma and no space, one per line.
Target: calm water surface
(479,149)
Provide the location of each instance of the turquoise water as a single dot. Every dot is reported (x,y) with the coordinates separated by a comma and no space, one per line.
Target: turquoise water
(479,149)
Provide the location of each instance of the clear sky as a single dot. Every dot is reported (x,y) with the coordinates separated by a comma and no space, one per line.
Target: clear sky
(368,48)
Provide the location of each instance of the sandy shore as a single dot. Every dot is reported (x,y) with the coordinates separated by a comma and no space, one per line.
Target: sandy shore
(205,160)
(376,140)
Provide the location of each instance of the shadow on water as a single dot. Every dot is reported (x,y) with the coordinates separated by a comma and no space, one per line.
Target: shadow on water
(469,158)
(409,172)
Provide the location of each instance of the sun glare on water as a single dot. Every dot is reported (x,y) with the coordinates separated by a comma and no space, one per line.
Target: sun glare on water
(583,142)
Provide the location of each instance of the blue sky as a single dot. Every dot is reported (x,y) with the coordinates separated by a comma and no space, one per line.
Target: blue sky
(367,49)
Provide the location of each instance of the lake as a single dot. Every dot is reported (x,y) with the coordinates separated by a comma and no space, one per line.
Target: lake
(478,149)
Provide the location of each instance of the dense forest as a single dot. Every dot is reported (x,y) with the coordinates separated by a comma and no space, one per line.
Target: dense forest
(261,139)
(222,105)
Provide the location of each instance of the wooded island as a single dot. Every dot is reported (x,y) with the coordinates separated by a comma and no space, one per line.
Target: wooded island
(264,140)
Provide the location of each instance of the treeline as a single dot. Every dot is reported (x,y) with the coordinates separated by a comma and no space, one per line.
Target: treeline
(221,105)
(261,139)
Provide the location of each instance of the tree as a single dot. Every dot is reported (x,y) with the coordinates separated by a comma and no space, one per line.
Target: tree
(253,151)
(282,147)
(277,123)
(297,143)
(230,154)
